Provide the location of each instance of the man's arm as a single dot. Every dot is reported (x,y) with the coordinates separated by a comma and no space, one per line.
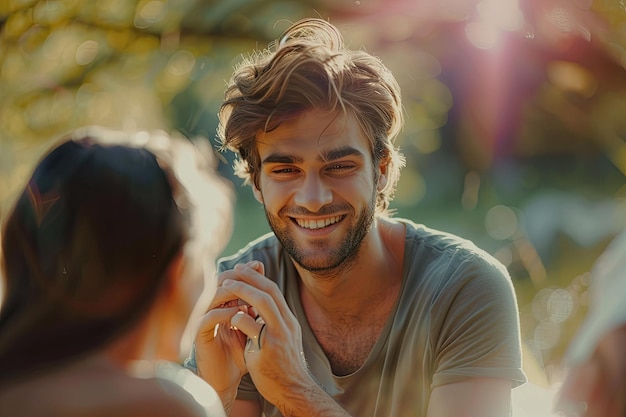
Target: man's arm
(476,397)
(312,401)
(477,340)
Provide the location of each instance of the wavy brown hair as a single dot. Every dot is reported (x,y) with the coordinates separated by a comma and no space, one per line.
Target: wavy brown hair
(309,67)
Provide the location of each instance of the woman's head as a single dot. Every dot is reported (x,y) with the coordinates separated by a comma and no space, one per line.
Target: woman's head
(91,240)
(310,68)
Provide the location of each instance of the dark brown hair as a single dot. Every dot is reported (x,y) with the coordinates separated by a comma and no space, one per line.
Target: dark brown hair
(86,249)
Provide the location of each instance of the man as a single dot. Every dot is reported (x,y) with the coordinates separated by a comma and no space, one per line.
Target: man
(595,385)
(343,310)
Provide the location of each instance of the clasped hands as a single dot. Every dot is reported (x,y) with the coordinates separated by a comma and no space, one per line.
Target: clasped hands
(249,328)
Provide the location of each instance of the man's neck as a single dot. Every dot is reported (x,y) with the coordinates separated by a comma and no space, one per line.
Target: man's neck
(347,311)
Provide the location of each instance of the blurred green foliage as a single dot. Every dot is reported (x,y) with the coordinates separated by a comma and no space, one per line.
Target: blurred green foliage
(515,113)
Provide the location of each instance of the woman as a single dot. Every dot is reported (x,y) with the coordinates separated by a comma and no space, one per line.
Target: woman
(107,254)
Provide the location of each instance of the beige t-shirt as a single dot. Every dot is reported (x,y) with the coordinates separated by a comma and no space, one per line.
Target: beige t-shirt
(456,318)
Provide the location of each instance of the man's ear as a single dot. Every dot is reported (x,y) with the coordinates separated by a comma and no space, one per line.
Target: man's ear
(257,193)
(382,175)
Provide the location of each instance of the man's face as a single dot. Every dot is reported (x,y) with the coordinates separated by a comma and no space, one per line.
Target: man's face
(318,187)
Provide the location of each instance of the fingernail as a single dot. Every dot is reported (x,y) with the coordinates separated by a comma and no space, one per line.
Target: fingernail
(253,264)
(227,282)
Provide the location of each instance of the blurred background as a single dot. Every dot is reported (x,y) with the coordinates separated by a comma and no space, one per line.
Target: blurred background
(516,115)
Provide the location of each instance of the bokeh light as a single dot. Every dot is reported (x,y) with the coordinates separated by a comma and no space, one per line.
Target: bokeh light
(514,136)
(501,222)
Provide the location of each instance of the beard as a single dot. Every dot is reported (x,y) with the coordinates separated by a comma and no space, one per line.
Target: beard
(323,259)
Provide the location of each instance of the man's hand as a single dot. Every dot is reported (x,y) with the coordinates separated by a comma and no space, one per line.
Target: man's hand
(257,333)
(273,352)
(219,346)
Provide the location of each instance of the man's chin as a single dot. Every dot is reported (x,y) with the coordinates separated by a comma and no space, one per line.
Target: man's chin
(315,264)
(323,264)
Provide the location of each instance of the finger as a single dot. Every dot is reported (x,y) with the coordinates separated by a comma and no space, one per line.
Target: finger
(255,279)
(251,328)
(266,306)
(257,266)
(255,313)
(224,298)
(228,274)
(210,321)
(232,273)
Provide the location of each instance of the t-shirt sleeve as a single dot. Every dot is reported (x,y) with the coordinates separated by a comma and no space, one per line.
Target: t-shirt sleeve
(474,328)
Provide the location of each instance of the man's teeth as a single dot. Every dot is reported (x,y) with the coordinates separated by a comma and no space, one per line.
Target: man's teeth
(318,224)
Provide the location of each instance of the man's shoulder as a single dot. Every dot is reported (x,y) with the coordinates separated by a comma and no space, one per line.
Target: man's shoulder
(437,239)
(419,236)
(451,255)
(266,249)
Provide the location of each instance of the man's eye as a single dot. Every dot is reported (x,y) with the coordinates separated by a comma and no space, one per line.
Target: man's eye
(340,167)
(283,171)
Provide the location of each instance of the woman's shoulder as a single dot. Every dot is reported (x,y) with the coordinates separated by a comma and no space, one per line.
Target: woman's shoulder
(189,389)
(171,391)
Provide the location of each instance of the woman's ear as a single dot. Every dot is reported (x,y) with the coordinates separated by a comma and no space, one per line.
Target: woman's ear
(175,272)
(181,287)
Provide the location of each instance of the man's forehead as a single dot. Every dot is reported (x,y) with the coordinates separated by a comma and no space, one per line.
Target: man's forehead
(314,131)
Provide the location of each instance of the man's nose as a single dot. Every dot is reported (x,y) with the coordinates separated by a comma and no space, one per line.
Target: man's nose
(313,193)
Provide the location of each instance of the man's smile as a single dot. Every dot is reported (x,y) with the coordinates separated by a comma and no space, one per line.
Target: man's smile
(318,223)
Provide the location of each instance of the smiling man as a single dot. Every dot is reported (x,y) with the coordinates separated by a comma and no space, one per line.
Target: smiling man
(317,183)
(344,310)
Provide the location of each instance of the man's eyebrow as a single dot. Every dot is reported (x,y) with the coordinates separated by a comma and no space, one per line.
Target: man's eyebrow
(338,153)
(324,156)
(282,158)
